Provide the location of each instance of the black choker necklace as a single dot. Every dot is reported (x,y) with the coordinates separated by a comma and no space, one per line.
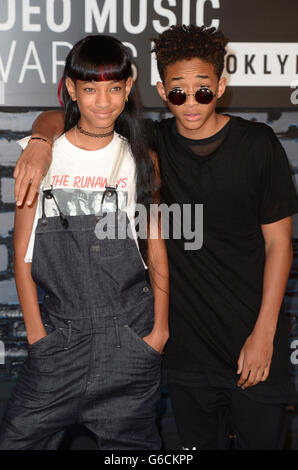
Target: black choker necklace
(91,134)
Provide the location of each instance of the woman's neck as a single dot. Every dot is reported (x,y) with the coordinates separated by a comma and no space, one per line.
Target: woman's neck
(89,142)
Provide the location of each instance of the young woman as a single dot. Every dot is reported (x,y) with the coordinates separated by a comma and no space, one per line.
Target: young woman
(95,343)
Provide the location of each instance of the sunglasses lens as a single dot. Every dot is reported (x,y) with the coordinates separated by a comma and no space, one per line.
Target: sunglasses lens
(204,96)
(177,97)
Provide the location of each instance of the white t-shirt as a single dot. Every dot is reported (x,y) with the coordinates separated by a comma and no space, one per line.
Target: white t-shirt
(78,178)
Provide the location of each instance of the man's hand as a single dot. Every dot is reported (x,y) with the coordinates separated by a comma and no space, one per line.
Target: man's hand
(30,169)
(255,359)
(157,340)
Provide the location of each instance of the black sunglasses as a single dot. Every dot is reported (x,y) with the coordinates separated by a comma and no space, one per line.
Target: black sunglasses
(203,96)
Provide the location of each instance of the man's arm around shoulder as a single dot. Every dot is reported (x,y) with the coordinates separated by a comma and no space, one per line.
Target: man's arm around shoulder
(35,160)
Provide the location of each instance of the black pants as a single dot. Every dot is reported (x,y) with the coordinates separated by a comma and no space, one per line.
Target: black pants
(206,416)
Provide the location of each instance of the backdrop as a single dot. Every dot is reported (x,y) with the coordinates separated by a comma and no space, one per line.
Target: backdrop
(262,72)
(261,63)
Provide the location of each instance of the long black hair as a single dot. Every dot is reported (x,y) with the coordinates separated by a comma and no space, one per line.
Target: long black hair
(101,57)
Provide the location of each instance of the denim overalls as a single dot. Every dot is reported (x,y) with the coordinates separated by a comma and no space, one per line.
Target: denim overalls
(93,367)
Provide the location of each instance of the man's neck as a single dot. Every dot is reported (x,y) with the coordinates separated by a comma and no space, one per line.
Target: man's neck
(209,128)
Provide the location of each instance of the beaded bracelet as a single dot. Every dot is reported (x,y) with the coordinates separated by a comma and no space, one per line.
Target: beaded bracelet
(42,139)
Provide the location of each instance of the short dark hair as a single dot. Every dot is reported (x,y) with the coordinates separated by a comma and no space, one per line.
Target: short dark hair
(186,42)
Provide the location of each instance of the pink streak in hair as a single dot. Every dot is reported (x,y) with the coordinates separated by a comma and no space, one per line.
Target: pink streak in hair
(60,84)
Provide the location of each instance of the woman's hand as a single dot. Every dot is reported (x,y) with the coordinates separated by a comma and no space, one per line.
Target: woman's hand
(36,336)
(157,340)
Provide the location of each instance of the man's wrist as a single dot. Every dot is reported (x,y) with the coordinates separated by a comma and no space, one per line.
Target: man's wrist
(38,138)
(265,331)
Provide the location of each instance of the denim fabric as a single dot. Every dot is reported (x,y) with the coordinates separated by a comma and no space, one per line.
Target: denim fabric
(93,367)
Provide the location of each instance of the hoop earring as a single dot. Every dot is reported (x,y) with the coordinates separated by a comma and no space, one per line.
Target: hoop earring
(126,99)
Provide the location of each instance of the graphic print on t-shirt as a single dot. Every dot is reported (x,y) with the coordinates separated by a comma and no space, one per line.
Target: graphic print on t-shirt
(78,202)
(81,194)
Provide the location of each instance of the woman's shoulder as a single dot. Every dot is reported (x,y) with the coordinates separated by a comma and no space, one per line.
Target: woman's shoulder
(60,142)
(119,141)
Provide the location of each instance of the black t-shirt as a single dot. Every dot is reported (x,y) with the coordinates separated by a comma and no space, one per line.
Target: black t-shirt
(216,290)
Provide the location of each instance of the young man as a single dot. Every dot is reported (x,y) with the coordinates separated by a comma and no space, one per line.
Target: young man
(226,363)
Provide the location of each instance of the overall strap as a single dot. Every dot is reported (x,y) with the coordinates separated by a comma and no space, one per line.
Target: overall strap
(47,190)
(111,186)
(112,181)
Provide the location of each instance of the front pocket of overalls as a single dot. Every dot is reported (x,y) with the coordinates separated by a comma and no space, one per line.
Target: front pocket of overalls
(37,377)
(143,344)
(44,340)
(41,354)
(38,374)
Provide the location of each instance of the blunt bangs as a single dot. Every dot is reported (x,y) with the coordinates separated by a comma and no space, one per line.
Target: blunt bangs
(97,58)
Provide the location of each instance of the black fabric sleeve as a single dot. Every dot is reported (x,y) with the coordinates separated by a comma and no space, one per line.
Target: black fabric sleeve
(278,193)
